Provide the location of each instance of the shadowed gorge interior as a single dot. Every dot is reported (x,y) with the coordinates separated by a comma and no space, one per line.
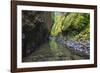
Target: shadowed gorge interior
(54,36)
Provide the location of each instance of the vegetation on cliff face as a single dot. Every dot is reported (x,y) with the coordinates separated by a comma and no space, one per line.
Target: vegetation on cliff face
(72,26)
(57,25)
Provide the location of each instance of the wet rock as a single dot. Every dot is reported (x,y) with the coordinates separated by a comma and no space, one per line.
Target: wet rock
(82,47)
(34,31)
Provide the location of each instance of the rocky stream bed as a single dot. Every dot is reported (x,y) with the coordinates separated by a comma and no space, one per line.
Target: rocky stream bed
(69,50)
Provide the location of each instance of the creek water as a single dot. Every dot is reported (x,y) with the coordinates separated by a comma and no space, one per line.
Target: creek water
(60,50)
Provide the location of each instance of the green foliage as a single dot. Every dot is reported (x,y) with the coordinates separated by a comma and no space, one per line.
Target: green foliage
(75,21)
(56,28)
(68,21)
(83,35)
(75,26)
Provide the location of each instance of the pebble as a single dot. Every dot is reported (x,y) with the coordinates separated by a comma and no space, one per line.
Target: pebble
(80,46)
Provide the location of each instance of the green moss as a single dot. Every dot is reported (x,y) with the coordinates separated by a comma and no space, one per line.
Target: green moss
(56,28)
(83,35)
